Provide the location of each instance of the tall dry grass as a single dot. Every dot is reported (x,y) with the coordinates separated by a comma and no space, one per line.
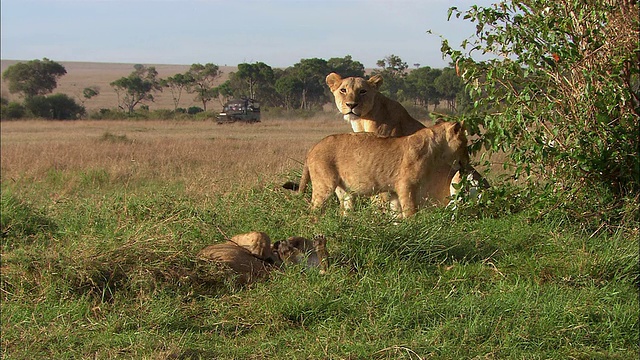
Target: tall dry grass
(205,157)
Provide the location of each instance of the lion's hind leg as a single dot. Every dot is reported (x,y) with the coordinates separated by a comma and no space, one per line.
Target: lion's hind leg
(345,199)
(394,205)
(321,192)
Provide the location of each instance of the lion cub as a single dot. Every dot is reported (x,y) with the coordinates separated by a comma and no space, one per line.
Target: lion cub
(415,169)
(258,244)
(249,256)
(298,250)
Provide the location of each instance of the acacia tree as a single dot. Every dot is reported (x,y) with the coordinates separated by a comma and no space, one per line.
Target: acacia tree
(255,76)
(448,85)
(204,77)
(420,84)
(225,92)
(393,70)
(560,96)
(137,88)
(289,88)
(311,74)
(346,66)
(90,92)
(177,84)
(35,77)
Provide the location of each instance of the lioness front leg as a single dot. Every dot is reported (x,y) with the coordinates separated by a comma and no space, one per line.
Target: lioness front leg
(407,202)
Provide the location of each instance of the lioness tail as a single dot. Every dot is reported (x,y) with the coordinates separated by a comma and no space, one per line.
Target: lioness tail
(304,179)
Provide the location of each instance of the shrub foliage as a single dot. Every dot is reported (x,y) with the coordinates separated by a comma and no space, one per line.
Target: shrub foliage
(54,107)
(559,92)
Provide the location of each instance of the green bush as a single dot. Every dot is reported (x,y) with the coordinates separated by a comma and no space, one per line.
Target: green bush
(107,114)
(162,114)
(54,107)
(11,110)
(560,98)
(64,107)
(194,110)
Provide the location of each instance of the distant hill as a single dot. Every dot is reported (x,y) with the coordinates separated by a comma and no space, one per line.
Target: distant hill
(84,74)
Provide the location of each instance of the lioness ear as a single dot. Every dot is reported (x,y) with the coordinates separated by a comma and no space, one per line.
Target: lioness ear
(375,81)
(455,130)
(333,80)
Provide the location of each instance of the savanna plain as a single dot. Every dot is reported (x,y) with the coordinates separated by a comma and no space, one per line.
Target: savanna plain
(101,222)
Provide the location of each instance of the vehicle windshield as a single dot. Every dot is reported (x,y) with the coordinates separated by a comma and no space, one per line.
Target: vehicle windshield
(241,105)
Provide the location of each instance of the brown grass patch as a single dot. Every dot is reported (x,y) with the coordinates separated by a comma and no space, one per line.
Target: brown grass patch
(205,157)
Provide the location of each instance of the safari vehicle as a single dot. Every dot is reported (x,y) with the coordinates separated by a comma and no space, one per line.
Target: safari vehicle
(247,110)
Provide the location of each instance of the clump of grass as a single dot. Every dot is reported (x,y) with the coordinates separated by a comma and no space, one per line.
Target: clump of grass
(21,222)
(116,139)
(135,269)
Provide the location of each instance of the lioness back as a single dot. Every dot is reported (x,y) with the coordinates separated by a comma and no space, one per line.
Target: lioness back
(360,161)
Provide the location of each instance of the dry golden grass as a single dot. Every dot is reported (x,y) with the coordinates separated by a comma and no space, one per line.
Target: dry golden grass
(207,158)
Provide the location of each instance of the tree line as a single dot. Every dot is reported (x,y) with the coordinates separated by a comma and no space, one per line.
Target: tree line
(301,86)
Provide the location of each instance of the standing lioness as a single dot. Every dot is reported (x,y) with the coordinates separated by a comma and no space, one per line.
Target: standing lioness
(414,168)
(368,110)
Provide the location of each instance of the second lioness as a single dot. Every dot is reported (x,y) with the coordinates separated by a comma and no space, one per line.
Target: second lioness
(415,169)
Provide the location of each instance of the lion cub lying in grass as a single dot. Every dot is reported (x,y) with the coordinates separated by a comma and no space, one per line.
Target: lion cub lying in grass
(415,169)
(251,256)
(298,250)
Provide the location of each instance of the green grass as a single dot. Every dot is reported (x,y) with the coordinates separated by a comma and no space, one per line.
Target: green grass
(108,271)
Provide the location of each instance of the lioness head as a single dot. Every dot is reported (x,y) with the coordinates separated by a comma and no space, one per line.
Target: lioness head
(456,137)
(456,143)
(354,96)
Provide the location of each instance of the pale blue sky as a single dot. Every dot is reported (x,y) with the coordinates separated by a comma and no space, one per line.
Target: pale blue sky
(225,32)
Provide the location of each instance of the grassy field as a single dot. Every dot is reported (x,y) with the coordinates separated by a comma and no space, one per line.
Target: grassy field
(101,221)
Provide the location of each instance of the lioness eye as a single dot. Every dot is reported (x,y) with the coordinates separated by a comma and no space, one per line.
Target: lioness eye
(363,91)
(343,90)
